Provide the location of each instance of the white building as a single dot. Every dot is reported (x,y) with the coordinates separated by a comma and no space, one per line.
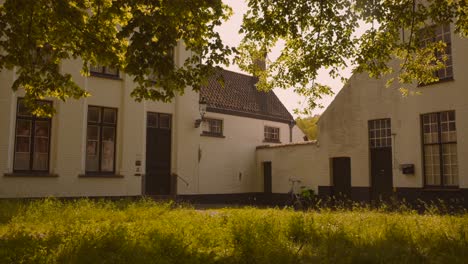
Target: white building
(110,145)
(374,143)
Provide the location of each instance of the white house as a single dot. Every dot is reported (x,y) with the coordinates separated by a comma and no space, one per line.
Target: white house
(110,145)
(375,143)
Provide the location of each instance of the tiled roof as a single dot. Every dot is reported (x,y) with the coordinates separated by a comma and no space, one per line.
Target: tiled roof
(239,96)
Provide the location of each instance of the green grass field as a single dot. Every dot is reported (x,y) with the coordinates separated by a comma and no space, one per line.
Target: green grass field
(83,231)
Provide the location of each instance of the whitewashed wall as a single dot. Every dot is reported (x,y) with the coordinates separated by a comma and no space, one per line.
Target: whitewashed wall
(227,165)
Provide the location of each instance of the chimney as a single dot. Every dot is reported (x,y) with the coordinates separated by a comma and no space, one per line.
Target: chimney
(260,62)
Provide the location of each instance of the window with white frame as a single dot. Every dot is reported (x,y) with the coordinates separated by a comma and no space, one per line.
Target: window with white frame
(380,133)
(101,140)
(271,134)
(32,140)
(440,149)
(436,34)
(213,127)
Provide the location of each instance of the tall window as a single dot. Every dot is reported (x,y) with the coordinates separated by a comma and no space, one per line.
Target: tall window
(32,141)
(380,133)
(101,70)
(213,127)
(271,134)
(440,149)
(436,34)
(100,143)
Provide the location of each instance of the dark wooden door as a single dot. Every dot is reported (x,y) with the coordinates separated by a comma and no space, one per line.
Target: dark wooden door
(341,169)
(267,179)
(381,173)
(158,154)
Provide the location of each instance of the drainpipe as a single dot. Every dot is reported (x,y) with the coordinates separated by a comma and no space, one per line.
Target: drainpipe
(292,123)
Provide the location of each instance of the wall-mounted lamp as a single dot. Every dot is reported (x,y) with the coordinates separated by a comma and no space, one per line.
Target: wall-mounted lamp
(202,108)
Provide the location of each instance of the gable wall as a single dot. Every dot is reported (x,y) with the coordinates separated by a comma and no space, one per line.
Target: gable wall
(343,127)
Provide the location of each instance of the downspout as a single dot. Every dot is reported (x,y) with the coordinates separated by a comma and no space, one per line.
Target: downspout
(292,123)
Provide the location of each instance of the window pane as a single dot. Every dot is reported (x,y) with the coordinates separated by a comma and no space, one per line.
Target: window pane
(93,133)
(109,116)
(111,70)
(92,149)
(41,129)
(21,161)
(92,161)
(96,68)
(23,127)
(94,114)
(108,148)
(22,109)
(93,141)
(23,144)
(164,121)
(432,164)
(152,119)
(40,161)
(450,164)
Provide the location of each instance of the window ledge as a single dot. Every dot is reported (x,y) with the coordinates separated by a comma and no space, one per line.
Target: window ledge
(107,76)
(448,79)
(31,175)
(100,176)
(212,135)
(441,189)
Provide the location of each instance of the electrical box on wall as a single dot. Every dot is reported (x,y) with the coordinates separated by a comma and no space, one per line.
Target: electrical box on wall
(407,168)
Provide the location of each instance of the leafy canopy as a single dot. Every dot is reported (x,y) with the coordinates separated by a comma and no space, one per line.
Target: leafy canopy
(138,36)
(327,34)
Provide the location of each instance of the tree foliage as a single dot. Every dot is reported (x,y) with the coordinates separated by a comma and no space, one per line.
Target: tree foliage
(325,34)
(138,35)
(308,125)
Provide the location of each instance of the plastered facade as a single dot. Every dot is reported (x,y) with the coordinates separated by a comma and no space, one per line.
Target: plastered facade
(205,165)
(343,129)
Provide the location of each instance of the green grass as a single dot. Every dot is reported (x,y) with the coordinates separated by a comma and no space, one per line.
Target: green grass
(84,231)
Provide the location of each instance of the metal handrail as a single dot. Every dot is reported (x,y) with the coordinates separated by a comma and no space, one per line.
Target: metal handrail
(186,183)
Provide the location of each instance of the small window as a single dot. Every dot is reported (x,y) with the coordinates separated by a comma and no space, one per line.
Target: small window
(435,34)
(213,127)
(101,140)
(271,134)
(32,140)
(440,149)
(105,71)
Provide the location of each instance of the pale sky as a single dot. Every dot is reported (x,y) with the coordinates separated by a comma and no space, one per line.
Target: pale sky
(229,34)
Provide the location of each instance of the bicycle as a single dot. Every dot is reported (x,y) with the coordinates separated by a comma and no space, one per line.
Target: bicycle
(295,199)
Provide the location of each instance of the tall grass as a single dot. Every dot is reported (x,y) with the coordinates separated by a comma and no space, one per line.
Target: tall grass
(85,231)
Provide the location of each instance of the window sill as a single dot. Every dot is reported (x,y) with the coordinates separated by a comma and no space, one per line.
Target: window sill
(30,175)
(107,76)
(271,141)
(448,79)
(100,176)
(441,189)
(212,135)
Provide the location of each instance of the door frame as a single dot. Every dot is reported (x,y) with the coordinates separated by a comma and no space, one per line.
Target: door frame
(145,130)
(332,174)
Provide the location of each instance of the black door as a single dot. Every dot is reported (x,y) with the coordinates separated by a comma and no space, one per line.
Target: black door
(341,169)
(380,144)
(158,154)
(267,177)
(381,173)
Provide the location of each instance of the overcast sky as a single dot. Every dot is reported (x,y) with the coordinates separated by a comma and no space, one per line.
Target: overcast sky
(229,33)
